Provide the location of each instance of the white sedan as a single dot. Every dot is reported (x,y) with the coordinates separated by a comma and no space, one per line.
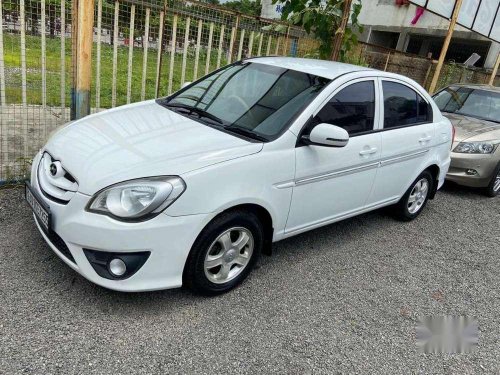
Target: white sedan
(192,188)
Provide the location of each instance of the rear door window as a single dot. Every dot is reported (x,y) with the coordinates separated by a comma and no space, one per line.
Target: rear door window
(403,106)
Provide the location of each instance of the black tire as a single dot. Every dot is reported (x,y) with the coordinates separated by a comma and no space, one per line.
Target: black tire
(194,276)
(401,209)
(490,191)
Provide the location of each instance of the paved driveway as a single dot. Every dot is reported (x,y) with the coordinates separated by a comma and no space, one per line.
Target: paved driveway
(340,299)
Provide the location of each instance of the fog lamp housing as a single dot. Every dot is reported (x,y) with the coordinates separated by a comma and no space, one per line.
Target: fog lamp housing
(471,172)
(116,266)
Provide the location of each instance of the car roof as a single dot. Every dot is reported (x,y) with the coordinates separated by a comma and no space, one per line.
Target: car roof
(477,86)
(321,68)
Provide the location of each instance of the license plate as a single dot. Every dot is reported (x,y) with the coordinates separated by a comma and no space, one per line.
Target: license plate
(40,209)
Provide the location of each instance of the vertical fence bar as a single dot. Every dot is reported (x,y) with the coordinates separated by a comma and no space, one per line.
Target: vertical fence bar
(115,54)
(240,48)
(130,52)
(185,50)
(259,49)
(268,49)
(158,56)
(427,73)
(2,66)
(285,46)
(23,52)
(98,57)
(250,43)
(44,67)
(221,41)
(277,46)
(197,52)
(231,44)
(387,62)
(234,33)
(209,50)
(145,43)
(172,54)
(63,59)
(3,130)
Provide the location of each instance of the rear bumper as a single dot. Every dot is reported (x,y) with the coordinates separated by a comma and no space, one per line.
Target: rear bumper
(484,165)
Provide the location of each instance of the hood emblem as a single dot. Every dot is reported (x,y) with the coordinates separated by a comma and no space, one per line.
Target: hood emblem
(53,169)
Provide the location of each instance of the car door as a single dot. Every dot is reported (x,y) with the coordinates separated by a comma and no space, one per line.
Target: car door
(407,138)
(330,182)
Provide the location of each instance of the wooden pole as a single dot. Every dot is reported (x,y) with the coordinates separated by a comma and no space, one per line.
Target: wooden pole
(446,44)
(84,18)
(339,34)
(495,70)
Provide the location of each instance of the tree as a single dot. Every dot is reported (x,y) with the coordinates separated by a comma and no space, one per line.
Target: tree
(249,7)
(322,20)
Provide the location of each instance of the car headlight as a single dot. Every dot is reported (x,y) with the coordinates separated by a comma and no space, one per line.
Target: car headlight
(137,200)
(476,147)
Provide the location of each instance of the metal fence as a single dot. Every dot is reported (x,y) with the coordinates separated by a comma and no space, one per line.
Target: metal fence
(142,49)
(418,68)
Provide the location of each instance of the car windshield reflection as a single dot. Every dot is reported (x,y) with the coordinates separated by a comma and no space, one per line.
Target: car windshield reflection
(250,99)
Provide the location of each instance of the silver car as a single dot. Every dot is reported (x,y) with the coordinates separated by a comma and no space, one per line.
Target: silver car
(474,111)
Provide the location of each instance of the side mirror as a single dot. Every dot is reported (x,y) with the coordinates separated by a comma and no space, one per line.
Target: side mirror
(327,135)
(186,84)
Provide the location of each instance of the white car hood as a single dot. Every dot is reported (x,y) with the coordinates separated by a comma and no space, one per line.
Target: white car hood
(140,140)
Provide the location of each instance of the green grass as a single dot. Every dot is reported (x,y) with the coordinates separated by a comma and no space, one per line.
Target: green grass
(12,58)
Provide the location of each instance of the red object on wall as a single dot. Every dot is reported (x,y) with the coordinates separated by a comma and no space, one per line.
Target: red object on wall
(402,2)
(418,14)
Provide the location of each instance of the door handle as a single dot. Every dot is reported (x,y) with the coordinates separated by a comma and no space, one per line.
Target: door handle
(425,139)
(368,152)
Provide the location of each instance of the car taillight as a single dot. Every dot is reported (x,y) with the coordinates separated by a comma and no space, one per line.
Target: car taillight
(453,131)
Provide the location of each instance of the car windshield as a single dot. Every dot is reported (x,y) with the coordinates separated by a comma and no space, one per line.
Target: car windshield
(481,104)
(250,99)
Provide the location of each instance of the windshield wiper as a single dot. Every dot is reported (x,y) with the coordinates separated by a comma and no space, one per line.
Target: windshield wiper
(231,128)
(200,112)
(245,132)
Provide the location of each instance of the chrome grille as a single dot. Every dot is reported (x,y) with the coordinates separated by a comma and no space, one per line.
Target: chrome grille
(55,182)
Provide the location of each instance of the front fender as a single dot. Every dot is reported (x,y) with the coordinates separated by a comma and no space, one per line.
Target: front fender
(253,179)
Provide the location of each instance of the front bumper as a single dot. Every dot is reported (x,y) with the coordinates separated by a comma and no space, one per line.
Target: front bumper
(484,165)
(169,239)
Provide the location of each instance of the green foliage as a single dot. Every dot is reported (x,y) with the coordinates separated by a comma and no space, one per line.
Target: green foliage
(322,19)
(248,7)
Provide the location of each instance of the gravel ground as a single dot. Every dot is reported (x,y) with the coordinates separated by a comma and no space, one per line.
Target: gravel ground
(341,299)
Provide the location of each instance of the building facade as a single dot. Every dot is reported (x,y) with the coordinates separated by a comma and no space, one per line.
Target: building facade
(402,26)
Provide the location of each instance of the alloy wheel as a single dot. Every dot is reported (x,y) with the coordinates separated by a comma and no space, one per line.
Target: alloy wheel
(229,255)
(418,195)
